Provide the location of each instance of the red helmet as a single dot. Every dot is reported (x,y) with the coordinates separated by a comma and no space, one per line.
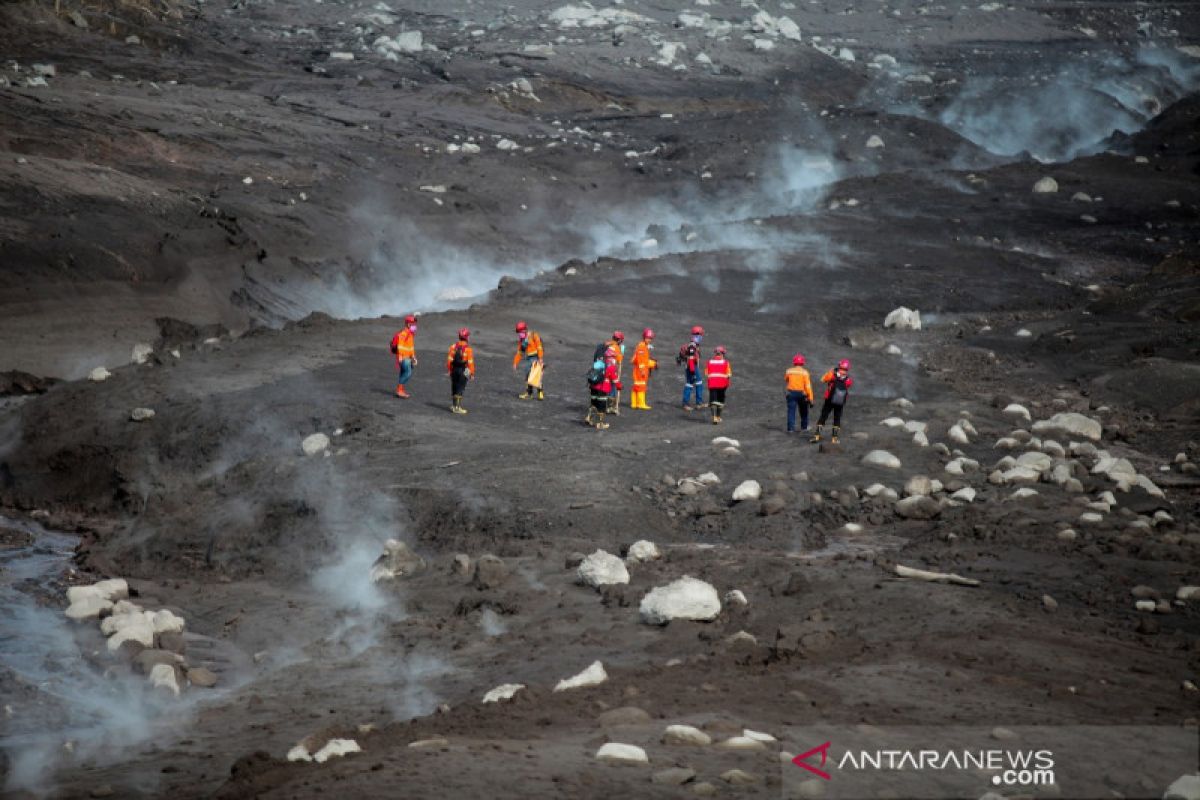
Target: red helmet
(521,326)
(720,350)
(618,336)
(697,331)
(797,360)
(844,364)
(464,333)
(410,319)
(648,334)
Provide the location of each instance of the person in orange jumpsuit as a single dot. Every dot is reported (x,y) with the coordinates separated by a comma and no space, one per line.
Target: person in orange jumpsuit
(529,350)
(717,373)
(617,345)
(460,366)
(643,365)
(405,350)
(799,393)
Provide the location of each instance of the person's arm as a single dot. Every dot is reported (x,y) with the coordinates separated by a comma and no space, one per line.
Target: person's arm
(541,352)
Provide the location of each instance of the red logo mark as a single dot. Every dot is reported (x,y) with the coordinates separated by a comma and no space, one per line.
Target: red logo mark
(800,760)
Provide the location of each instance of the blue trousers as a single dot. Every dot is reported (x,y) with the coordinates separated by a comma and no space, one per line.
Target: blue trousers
(797,401)
(693,381)
(405,371)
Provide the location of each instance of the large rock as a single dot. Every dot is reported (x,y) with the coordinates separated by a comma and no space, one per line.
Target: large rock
(1186,787)
(165,676)
(145,661)
(918,507)
(685,735)
(918,485)
(336,748)
(1017,411)
(747,490)
(1046,185)
(1035,461)
(686,598)
(397,561)
(903,319)
(594,675)
(490,572)
(166,622)
(141,353)
(504,691)
(88,607)
(315,443)
(616,753)
(643,550)
(140,630)
(881,458)
(99,374)
(602,569)
(1070,423)
(202,677)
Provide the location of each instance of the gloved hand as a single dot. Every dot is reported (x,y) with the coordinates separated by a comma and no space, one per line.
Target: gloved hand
(619,386)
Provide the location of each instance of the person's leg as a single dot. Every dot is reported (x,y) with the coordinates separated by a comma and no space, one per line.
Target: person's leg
(837,422)
(405,375)
(699,387)
(793,401)
(687,389)
(825,409)
(803,403)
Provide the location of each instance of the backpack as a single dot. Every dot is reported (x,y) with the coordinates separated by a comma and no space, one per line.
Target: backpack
(686,353)
(595,375)
(460,358)
(839,393)
(600,352)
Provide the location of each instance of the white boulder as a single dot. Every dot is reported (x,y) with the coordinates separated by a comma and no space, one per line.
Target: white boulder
(163,676)
(99,374)
(902,318)
(141,353)
(881,458)
(87,608)
(141,414)
(315,443)
(747,490)
(616,753)
(686,735)
(1070,423)
(594,675)
(643,550)
(602,569)
(1017,411)
(504,691)
(336,748)
(685,598)
(1046,185)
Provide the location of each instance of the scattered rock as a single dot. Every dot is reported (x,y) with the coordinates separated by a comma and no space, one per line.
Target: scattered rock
(918,485)
(314,443)
(99,374)
(504,691)
(675,776)
(737,777)
(918,507)
(397,561)
(1188,593)
(685,735)
(141,414)
(873,143)
(202,677)
(1070,423)
(602,569)
(742,743)
(1046,185)
(1186,787)
(902,318)
(686,598)
(623,716)
(141,353)
(616,753)
(1049,603)
(747,490)
(934,577)
(643,550)
(594,675)
(336,748)
(490,572)
(1017,411)
(881,458)
(163,676)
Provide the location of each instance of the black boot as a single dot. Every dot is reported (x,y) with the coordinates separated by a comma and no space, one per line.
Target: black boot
(817,436)
(836,430)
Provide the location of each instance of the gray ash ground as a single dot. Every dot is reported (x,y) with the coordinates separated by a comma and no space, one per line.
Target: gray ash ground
(261,210)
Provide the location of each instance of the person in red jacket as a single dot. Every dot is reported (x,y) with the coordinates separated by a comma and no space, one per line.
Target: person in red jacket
(602,381)
(837,391)
(529,350)
(718,373)
(405,350)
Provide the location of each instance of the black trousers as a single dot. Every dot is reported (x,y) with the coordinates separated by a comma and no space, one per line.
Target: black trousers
(458,382)
(837,413)
(716,396)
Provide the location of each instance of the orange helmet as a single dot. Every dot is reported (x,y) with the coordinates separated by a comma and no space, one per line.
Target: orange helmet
(797,360)
(464,333)
(697,331)
(521,326)
(410,319)
(618,336)
(647,334)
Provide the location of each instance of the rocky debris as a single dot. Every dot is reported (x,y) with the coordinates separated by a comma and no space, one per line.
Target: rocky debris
(902,318)
(391,48)
(617,753)
(504,691)
(742,743)
(397,561)
(934,577)
(685,598)
(1017,411)
(965,495)
(879,490)
(643,550)
(165,676)
(314,444)
(674,776)
(490,572)
(141,414)
(892,422)
(1046,185)
(1049,603)
(1185,787)
(747,490)
(202,677)
(1070,423)
(332,748)
(918,507)
(15,382)
(958,434)
(685,735)
(594,675)
(881,458)
(918,485)
(88,607)
(873,143)
(758,735)
(142,353)
(708,479)
(99,374)
(602,569)
(1187,593)
(736,597)
(737,777)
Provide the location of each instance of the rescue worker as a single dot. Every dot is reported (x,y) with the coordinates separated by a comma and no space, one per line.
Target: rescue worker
(693,378)
(529,350)
(460,366)
(799,393)
(718,373)
(643,365)
(617,345)
(601,381)
(837,391)
(404,348)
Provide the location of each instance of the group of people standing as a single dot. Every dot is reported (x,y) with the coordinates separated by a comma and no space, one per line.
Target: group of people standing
(605,383)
